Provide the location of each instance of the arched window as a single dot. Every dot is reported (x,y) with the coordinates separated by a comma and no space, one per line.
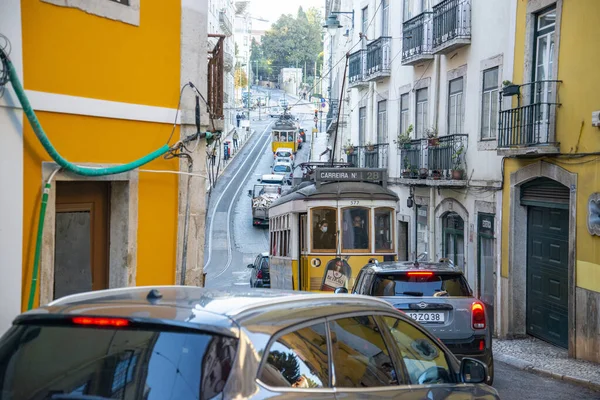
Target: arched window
(453,242)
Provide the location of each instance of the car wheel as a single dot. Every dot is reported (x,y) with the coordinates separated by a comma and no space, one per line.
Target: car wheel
(491,371)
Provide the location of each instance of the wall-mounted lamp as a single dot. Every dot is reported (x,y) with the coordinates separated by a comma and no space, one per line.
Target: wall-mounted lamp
(409,202)
(333,24)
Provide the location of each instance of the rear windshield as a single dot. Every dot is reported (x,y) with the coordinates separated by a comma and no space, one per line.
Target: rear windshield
(284,154)
(445,284)
(282,168)
(37,362)
(272,181)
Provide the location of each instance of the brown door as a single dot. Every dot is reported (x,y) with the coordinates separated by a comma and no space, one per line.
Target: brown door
(81,237)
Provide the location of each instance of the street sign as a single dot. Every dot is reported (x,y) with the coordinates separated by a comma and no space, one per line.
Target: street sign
(323,105)
(322,100)
(373,175)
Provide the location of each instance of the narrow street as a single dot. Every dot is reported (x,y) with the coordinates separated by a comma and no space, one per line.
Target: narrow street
(232,242)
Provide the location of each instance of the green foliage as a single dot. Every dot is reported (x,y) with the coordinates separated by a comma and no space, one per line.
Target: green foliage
(241,79)
(291,42)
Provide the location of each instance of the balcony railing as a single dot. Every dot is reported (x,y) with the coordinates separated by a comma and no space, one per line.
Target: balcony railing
(451,25)
(530,126)
(357,65)
(375,156)
(378,57)
(417,39)
(225,23)
(433,158)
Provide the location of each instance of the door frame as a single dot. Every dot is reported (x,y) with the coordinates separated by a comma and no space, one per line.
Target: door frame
(515,283)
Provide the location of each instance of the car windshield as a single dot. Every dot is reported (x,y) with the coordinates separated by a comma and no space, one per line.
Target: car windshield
(435,284)
(284,154)
(38,361)
(282,168)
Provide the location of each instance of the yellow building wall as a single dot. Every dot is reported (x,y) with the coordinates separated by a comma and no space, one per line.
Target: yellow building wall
(68,51)
(578,94)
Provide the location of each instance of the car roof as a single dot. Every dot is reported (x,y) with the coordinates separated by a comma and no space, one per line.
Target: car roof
(405,266)
(221,310)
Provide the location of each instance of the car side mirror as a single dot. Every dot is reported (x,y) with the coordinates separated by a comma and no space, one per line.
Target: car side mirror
(473,371)
(340,290)
(250,265)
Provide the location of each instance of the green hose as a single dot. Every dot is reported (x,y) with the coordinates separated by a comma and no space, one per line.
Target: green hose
(38,246)
(41,135)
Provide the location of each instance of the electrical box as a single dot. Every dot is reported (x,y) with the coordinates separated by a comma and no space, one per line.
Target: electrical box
(596,118)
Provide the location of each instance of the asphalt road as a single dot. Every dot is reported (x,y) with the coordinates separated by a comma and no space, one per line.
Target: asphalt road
(514,384)
(232,242)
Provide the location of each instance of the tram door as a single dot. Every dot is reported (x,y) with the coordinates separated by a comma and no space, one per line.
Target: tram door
(304,278)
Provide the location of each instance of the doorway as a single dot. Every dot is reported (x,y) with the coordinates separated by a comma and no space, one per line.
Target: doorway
(81,252)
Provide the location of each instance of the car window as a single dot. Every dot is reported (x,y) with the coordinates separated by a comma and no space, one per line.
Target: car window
(421,283)
(284,154)
(425,362)
(37,361)
(265,263)
(360,356)
(298,359)
(281,168)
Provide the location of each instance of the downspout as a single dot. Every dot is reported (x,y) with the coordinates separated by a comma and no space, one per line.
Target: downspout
(432,189)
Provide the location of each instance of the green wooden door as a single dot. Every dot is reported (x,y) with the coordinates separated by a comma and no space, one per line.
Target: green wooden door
(547,274)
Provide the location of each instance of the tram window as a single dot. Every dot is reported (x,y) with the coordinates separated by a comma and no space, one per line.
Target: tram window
(290,137)
(324,222)
(275,136)
(384,230)
(355,228)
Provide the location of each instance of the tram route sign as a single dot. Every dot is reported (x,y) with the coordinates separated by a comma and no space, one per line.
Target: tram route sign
(372,175)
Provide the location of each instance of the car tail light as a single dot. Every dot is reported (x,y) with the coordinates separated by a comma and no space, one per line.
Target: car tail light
(420,273)
(259,274)
(94,321)
(478,315)
(481,344)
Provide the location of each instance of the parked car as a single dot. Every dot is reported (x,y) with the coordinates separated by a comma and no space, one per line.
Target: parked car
(438,296)
(188,342)
(259,276)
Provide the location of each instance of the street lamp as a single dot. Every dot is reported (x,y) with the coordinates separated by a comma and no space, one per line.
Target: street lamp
(332,24)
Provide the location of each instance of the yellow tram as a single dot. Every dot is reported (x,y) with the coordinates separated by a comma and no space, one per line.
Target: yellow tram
(285,134)
(324,231)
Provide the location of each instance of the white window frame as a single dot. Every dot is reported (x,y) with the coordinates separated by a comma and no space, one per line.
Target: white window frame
(457,99)
(129,14)
(404,112)
(421,113)
(489,95)
(385,17)
(382,134)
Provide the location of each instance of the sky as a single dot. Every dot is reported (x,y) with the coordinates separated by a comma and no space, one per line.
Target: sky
(271,10)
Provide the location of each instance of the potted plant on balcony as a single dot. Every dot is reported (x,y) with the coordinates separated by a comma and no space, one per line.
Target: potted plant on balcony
(436,174)
(369,146)
(406,169)
(432,136)
(414,173)
(510,89)
(457,168)
(423,172)
(404,139)
(349,147)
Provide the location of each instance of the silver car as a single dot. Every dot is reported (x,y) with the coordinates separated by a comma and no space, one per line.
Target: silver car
(183,342)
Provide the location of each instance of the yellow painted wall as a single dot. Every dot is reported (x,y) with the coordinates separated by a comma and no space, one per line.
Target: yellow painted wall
(578,93)
(68,51)
(103,140)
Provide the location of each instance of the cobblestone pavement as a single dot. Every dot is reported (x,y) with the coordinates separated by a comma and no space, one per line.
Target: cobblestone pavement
(232,241)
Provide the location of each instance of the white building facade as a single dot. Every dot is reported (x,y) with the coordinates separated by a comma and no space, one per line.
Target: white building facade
(221,17)
(243,39)
(423,104)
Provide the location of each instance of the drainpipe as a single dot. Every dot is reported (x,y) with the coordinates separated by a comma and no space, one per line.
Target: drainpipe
(432,190)
(431,223)
(499,329)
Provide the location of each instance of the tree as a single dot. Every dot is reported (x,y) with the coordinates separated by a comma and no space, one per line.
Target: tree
(292,42)
(240,77)
(286,364)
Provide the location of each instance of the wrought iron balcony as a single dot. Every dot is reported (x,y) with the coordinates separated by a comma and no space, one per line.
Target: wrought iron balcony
(451,25)
(357,65)
(530,127)
(434,159)
(417,39)
(225,23)
(378,58)
(374,156)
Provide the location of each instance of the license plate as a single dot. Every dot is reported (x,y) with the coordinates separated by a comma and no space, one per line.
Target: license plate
(427,316)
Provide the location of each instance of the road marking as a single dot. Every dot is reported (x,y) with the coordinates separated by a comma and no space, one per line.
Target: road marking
(212,218)
(229,257)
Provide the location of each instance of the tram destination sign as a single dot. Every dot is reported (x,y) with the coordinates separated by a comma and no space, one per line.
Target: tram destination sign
(372,175)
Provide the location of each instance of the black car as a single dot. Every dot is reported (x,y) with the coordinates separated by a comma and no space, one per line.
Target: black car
(260,276)
(438,296)
(183,342)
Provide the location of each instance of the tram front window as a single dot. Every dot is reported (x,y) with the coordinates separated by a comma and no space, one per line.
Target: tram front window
(356,228)
(383,230)
(275,136)
(290,137)
(324,227)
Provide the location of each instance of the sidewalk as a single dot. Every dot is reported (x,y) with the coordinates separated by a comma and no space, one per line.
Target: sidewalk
(537,356)
(243,137)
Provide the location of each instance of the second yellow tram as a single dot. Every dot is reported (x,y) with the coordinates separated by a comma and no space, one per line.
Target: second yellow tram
(324,231)
(285,134)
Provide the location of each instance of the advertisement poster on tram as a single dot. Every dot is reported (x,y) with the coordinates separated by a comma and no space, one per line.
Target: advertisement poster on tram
(337,274)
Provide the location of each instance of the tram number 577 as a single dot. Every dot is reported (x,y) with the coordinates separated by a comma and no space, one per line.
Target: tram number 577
(354,202)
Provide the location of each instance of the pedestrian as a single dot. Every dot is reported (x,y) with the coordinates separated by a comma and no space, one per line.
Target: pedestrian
(235,140)
(238,117)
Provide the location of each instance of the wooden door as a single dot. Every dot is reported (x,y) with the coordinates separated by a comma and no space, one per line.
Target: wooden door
(81,237)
